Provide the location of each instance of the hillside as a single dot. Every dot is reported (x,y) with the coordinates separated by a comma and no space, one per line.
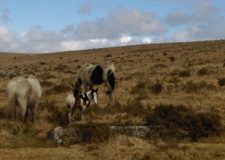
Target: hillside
(191,74)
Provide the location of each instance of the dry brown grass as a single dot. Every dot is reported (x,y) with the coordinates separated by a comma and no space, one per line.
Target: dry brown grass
(190,74)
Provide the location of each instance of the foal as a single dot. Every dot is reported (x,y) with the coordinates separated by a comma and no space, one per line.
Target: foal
(81,102)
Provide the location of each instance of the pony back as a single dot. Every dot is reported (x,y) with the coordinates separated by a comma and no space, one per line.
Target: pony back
(36,86)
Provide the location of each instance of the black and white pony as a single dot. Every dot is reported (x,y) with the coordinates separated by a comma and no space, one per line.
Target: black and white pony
(80,103)
(90,75)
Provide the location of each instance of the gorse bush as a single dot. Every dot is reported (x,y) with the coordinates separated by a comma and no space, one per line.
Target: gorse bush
(221,82)
(203,125)
(168,115)
(156,87)
(172,58)
(185,73)
(181,121)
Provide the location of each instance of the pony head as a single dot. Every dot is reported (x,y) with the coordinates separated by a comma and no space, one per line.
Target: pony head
(91,96)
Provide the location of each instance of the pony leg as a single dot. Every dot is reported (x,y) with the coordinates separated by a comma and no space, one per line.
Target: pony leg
(83,108)
(109,92)
(23,107)
(110,99)
(32,114)
(12,107)
(14,113)
(24,116)
(70,120)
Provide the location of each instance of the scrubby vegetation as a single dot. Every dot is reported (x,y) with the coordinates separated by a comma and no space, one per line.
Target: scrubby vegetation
(181,72)
(221,82)
(204,71)
(191,86)
(180,122)
(56,114)
(142,87)
(175,89)
(89,133)
(156,87)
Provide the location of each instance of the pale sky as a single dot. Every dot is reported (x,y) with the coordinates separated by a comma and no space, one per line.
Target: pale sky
(59,25)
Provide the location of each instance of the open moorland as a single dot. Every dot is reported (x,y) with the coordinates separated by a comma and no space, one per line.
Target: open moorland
(178,89)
